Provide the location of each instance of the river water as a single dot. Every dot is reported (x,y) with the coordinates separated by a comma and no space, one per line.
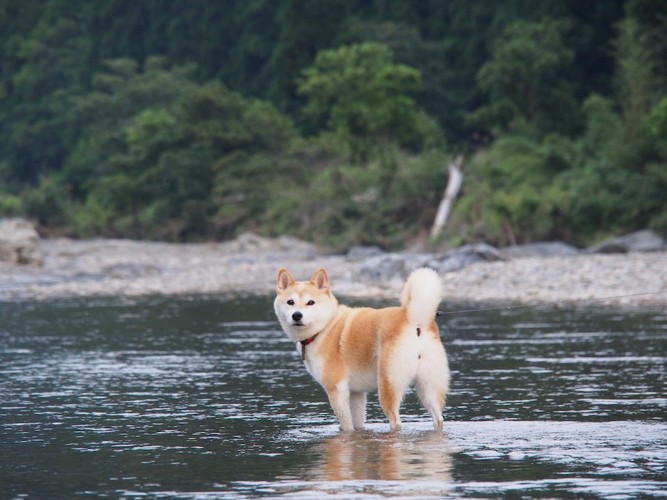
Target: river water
(204,397)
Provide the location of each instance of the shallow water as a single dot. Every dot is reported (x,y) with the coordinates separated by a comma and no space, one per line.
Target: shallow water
(205,397)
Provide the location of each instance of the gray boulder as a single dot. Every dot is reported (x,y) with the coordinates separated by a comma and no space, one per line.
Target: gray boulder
(639,241)
(392,266)
(19,242)
(359,253)
(397,266)
(459,258)
(252,247)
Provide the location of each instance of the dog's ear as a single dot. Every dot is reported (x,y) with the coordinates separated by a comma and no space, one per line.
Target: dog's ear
(320,279)
(284,279)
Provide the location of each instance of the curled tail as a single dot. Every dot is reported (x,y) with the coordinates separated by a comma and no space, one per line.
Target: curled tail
(421,296)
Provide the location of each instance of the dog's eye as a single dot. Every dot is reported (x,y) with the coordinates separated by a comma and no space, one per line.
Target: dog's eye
(290,302)
(311,303)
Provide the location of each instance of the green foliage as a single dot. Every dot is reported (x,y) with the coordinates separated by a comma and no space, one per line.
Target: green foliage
(526,80)
(509,195)
(49,203)
(177,172)
(384,202)
(657,122)
(532,184)
(603,199)
(357,93)
(622,185)
(114,118)
(41,69)
(10,205)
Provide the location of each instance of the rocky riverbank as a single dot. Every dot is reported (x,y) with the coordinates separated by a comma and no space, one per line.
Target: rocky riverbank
(551,274)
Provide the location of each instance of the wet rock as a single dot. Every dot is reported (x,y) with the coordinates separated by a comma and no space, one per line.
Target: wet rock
(639,241)
(19,242)
(544,249)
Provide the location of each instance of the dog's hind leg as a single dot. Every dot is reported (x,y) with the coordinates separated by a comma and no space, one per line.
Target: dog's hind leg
(396,371)
(432,381)
(358,408)
(392,385)
(391,395)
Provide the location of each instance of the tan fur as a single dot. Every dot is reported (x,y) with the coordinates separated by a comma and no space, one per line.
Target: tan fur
(356,350)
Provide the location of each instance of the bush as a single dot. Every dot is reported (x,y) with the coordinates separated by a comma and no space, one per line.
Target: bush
(10,205)
(386,202)
(509,195)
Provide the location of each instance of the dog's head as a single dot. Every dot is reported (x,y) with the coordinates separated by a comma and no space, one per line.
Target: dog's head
(304,308)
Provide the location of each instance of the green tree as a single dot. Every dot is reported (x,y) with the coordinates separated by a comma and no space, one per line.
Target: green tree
(359,94)
(46,67)
(651,19)
(118,94)
(621,183)
(618,128)
(306,27)
(526,81)
(637,87)
(186,169)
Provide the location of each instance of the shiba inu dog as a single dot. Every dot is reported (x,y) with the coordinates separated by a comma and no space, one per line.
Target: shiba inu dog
(351,351)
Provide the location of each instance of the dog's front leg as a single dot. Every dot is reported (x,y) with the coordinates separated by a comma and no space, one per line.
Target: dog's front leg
(339,398)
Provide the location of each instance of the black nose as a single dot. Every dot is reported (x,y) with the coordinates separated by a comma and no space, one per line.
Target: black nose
(297,316)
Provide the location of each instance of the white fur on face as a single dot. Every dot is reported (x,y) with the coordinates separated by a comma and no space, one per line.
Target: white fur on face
(316,307)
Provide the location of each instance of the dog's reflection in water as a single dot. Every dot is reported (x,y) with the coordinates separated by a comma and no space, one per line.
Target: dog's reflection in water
(389,456)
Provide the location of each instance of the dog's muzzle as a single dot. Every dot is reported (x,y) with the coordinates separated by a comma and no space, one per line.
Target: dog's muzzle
(297,316)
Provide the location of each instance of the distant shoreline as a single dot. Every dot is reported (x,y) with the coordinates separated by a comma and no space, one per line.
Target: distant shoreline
(97,268)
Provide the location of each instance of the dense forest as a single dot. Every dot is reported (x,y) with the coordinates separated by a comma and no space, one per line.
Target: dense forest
(334,120)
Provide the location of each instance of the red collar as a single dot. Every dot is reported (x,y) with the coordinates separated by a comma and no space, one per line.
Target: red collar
(304,343)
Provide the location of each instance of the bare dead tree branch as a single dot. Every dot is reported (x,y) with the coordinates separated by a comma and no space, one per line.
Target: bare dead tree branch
(455,180)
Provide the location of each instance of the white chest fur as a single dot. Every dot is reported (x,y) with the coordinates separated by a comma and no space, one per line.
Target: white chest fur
(314,361)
